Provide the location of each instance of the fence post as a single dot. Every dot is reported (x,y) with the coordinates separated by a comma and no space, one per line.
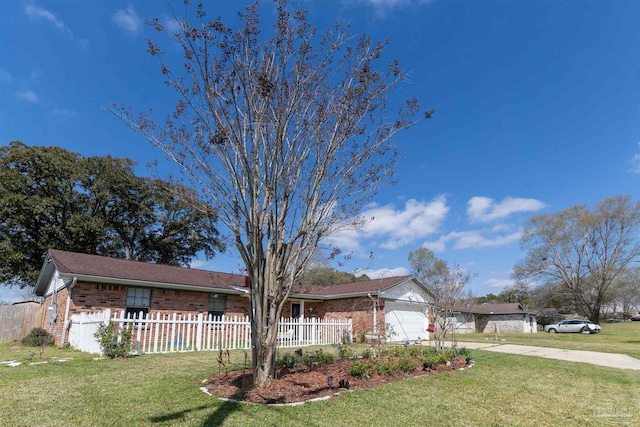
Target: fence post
(350,329)
(107,316)
(313,331)
(199,332)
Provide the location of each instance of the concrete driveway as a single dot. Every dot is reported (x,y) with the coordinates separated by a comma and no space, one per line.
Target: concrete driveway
(612,360)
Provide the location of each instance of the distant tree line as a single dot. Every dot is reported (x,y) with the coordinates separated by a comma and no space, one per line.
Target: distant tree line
(54,198)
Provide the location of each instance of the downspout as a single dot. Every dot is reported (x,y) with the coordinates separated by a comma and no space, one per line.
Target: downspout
(65,325)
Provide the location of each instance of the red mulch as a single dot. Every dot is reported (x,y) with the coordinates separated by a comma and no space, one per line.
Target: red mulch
(301,384)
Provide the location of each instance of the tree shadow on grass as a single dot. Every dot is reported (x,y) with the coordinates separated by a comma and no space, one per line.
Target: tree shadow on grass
(175,416)
(216,418)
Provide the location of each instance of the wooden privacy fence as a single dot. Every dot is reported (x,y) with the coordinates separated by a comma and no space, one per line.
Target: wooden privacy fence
(16,321)
(166,333)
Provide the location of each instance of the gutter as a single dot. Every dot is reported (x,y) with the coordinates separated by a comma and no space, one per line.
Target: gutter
(65,325)
(235,290)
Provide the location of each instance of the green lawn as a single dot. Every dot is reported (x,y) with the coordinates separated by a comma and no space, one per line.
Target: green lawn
(621,337)
(163,389)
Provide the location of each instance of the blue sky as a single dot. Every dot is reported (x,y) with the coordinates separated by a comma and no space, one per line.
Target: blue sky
(537,109)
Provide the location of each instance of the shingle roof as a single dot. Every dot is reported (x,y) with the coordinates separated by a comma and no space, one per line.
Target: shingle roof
(115,268)
(105,269)
(375,285)
(495,308)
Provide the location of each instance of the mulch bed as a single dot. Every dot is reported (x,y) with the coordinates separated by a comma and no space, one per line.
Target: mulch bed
(300,384)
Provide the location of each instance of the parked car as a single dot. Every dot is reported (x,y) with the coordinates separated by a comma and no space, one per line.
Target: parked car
(575,325)
(636,318)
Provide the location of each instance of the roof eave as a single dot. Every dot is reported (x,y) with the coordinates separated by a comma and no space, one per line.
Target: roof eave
(46,273)
(151,284)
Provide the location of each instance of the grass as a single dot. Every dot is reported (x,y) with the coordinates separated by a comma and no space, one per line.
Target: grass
(621,338)
(500,390)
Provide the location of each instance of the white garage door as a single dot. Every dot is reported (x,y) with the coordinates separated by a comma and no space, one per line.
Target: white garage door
(407,320)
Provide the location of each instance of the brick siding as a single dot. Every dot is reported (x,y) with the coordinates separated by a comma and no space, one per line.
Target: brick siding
(92,297)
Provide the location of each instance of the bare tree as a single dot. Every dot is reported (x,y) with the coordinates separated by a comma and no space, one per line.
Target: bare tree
(584,250)
(450,288)
(288,136)
(626,298)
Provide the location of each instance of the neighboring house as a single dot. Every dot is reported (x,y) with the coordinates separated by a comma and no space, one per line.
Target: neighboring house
(502,318)
(73,283)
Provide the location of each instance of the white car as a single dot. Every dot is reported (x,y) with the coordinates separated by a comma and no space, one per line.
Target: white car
(575,325)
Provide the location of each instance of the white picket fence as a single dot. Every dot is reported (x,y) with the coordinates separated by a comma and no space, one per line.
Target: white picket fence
(166,333)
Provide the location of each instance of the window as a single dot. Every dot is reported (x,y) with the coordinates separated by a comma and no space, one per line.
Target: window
(217,304)
(138,300)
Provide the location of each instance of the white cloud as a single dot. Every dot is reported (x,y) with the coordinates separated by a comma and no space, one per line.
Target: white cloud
(383,272)
(393,228)
(484,209)
(471,240)
(37,13)
(635,162)
(346,240)
(418,219)
(27,95)
(128,19)
(499,283)
(382,7)
(171,24)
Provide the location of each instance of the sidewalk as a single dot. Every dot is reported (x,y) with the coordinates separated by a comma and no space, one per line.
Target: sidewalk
(613,360)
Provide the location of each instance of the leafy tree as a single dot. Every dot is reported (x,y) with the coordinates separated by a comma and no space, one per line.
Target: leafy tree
(450,288)
(288,135)
(584,250)
(53,198)
(327,276)
(509,294)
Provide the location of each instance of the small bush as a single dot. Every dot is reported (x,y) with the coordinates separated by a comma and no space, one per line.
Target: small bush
(344,351)
(435,358)
(384,367)
(360,368)
(37,337)
(366,354)
(463,352)
(287,360)
(362,335)
(406,364)
(399,351)
(113,345)
(322,357)
(415,351)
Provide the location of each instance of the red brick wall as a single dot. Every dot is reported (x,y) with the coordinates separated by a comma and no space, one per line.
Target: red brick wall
(360,310)
(56,327)
(91,297)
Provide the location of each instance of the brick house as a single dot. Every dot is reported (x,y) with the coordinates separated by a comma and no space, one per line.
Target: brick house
(494,318)
(73,283)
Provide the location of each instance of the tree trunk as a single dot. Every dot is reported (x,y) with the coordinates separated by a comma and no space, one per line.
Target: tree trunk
(267,300)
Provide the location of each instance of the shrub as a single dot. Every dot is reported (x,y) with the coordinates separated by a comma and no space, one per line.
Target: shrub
(463,352)
(37,337)
(406,364)
(399,351)
(384,366)
(366,354)
(362,335)
(322,357)
(360,368)
(344,351)
(415,351)
(435,358)
(112,344)
(287,360)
